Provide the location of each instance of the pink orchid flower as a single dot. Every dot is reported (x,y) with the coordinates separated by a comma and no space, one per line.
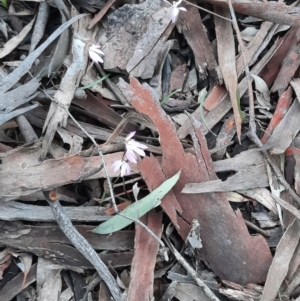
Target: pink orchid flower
(175,9)
(123,166)
(133,147)
(94,53)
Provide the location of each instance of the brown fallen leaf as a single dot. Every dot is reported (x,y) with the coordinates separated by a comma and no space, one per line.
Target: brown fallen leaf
(280,265)
(226,55)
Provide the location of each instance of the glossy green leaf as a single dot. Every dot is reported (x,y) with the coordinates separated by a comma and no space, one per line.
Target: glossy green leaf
(137,209)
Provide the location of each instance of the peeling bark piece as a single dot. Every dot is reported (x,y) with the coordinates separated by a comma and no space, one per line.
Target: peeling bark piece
(178,77)
(193,31)
(227,246)
(12,211)
(289,66)
(282,107)
(270,72)
(217,100)
(249,172)
(286,130)
(276,12)
(238,292)
(253,46)
(49,282)
(280,265)
(22,172)
(225,135)
(57,114)
(50,242)
(226,55)
(140,28)
(100,110)
(145,252)
(147,51)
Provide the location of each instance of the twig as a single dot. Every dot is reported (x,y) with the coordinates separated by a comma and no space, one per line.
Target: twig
(254,227)
(192,272)
(206,10)
(81,244)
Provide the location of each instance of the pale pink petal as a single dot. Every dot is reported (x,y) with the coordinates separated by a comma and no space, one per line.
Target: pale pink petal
(136,149)
(130,155)
(95,57)
(117,164)
(174,14)
(98,51)
(137,144)
(130,135)
(125,169)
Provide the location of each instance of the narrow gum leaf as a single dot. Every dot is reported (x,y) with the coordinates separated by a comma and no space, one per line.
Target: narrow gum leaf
(137,209)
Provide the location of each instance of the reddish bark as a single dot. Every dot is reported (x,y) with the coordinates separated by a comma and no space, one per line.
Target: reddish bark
(228,248)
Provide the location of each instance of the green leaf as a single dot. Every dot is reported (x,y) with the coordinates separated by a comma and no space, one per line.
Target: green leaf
(137,209)
(4,3)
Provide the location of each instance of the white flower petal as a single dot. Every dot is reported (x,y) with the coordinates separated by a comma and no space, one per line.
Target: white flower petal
(136,149)
(99,52)
(137,144)
(174,14)
(95,52)
(131,157)
(182,8)
(130,135)
(95,57)
(125,169)
(117,164)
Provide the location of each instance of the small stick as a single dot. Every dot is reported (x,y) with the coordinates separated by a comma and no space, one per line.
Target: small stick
(81,244)
(254,227)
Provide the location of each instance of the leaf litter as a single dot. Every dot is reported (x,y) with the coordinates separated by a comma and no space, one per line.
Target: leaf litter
(99,97)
